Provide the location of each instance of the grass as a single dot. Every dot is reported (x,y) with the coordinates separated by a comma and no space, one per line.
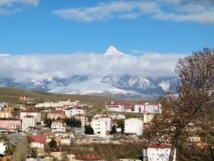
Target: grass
(11,95)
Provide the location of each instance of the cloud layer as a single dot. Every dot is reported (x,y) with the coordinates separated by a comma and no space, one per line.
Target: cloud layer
(178,10)
(38,66)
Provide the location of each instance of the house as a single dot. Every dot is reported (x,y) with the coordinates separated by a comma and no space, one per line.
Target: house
(83,118)
(133,126)
(148,117)
(99,127)
(58,126)
(70,112)
(147,107)
(3,147)
(38,138)
(118,106)
(36,114)
(58,153)
(10,123)
(5,114)
(56,114)
(108,121)
(157,152)
(28,121)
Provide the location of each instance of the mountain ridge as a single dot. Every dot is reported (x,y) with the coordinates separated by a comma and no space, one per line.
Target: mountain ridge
(124,87)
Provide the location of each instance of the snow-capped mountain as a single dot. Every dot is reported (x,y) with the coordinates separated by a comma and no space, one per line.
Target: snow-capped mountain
(127,87)
(107,74)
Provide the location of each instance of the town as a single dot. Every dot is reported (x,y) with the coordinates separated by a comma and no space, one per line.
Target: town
(65,130)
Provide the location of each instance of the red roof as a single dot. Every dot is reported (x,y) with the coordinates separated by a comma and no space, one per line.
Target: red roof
(37,138)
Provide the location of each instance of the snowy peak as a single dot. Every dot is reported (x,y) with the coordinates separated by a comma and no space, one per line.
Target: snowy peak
(113,51)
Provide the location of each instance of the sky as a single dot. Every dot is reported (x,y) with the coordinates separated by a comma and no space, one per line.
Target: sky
(60,38)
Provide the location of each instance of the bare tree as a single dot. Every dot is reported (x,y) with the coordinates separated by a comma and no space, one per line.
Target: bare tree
(193,104)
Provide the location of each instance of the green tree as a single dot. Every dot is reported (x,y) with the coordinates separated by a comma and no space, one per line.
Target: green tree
(72,122)
(194,104)
(52,143)
(120,124)
(89,130)
(48,122)
(113,130)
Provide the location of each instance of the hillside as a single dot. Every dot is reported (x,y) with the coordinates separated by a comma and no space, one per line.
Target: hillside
(11,95)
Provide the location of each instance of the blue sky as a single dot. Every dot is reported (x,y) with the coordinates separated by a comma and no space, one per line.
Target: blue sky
(152,34)
(68,26)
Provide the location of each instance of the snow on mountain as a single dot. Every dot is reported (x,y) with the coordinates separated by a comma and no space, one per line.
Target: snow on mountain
(128,87)
(113,51)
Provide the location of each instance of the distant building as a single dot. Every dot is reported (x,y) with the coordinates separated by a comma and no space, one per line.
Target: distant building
(3,147)
(58,153)
(36,114)
(99,127)
(58,126)
(156,152)
(70,112)
(5,114)
(56,114)
(133,126)
(28,121)
(10,123)
(146,107)
(118,106)
(83,118)
(108,121)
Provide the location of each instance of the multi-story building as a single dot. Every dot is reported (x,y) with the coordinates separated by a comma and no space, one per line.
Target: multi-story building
(148,117)
(58,126)
(147,108)
(99,127)
(10,123)
(5,114)
(82,118)
(70,112)
(36,114)
(28,121)
(108,121)
(133,126)
(56,115)
(118,106)
(157,152)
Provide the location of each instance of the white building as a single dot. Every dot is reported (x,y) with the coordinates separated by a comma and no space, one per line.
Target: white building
(118,106)
(35,144)
(99,127)
(154,152)
(28,121)
(3,147)
(58,126)
(133,126)
(74,111)
(147,108)
(107,119)
(148,117)
(36,114)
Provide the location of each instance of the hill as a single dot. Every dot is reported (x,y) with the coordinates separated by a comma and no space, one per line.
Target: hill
(11,95)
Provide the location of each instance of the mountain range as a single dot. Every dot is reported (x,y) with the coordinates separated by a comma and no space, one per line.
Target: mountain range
(121,86)
(125,87)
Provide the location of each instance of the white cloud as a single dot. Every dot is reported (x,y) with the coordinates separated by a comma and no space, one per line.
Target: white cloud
(12,2)
(105,11)
(8,7)
(176,10)
(36,66)
(189,12)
